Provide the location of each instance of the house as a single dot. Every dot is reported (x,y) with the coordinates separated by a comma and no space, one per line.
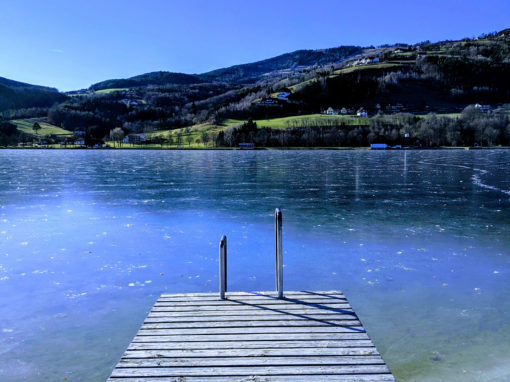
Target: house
(361,112)
(284,96)
(482,108)
(343,111)
(246,146)
(331,111)
(269,102)
(135,139)
(79,142)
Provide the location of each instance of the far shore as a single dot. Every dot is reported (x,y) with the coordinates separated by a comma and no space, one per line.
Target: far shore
(156,148)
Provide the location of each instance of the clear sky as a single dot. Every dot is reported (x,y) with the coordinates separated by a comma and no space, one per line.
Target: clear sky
(70,44)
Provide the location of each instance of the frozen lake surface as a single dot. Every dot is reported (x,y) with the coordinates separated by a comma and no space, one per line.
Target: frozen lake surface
(419,241)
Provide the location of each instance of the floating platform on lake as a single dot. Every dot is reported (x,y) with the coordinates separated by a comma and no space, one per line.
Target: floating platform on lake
(305,336)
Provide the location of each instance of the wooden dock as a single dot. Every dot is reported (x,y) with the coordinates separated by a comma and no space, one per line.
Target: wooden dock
(306,336)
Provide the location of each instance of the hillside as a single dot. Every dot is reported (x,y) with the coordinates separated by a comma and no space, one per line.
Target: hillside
(288,96)
(16,95)
(153,78)
(292,62)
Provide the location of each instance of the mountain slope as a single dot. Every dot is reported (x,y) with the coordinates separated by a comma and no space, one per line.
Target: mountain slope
(252,72)
(16,95)
(153,78)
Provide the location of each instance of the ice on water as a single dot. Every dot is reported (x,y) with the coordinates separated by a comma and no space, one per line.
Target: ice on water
(419,241)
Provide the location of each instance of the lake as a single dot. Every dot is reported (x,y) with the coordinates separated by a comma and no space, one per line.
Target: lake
(419,241)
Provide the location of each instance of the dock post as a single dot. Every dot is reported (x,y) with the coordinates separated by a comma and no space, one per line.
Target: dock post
(278,250)
(223,267)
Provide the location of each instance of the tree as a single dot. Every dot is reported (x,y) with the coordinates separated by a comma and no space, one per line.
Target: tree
(204,137)
(36,127)
(189,139)
(117,135)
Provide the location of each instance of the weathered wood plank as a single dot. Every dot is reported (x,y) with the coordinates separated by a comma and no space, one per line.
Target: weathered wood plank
(243,352)
(252,301)
(252,312)
(236,307)
(316,343)
(253,337)
(274,378)
(252,361)
(247,323)
(248,294)
(250,330)
(247,317)
(248,370)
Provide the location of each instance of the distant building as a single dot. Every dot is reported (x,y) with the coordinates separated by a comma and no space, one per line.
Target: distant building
(135,139)
(482,108)
(246,146)
(362,113)
(80,142)
(343,111)
(331,111)
(269,102)
(284,96)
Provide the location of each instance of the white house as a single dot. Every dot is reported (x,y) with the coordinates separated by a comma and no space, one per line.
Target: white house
(362,113)
(482,108)
(331,111)
(343,111)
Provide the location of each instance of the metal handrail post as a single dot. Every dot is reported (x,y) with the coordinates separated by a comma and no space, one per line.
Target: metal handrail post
(279,252)
(223,267)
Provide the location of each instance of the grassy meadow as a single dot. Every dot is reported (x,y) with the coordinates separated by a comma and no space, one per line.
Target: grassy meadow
(26,126)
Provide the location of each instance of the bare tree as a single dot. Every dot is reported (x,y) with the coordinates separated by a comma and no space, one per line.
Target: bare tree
(117,135)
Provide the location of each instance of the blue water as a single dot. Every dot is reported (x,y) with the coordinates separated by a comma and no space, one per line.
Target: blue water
(419,241)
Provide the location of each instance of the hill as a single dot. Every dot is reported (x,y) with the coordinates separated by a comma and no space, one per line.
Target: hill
(16,95)
(153,78)
(292,62)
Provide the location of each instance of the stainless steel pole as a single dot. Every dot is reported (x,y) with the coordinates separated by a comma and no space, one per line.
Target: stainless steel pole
(279,252)
(223,267)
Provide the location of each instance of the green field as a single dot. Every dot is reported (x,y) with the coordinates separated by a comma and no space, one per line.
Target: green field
(25,125)
(365,67)
(106,91)
(195,132)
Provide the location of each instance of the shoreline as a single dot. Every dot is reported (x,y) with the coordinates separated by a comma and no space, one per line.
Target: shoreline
(256,149)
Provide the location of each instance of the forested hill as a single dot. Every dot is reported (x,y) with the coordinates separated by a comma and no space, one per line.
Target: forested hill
(243,74)
(369,93)
(252,72)
(153,78)
(14,95)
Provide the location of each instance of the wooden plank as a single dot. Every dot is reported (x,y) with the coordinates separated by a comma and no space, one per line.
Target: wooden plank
(243,352)
(252,361)
(248,294)
(236,307)
(248,370)
(322,343)
(253,337)
(245,331)
(251,312)
(274,378)
(247,317)
(252,301)
(250,323)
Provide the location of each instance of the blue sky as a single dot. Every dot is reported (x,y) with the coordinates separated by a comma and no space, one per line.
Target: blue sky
(72,44)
